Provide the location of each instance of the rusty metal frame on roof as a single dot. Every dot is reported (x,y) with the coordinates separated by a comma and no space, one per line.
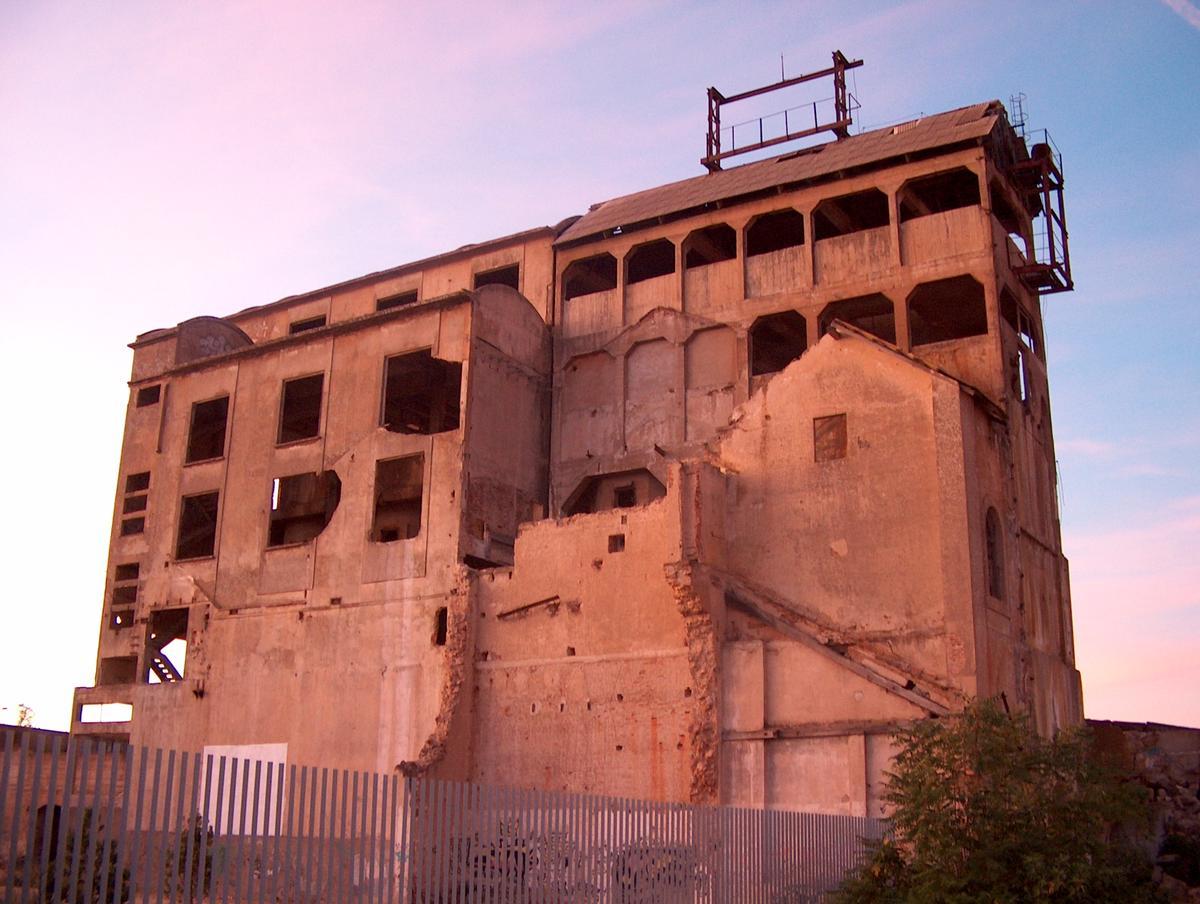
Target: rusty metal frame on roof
(1040,181)
(843,105)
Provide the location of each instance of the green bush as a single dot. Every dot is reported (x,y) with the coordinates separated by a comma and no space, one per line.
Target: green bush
(57,886)
(983,809)
(186,877)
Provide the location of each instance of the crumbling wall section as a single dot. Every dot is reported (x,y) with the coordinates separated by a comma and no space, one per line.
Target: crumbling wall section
(703,654)
(446,752)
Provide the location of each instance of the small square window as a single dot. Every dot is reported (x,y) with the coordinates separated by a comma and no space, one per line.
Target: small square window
(120,618)
(124,595)
(132,526)
(303,326)
(625,497)
(829,437)
(148,395)
(134,504)
(137,483)
(127,571)
(616,543)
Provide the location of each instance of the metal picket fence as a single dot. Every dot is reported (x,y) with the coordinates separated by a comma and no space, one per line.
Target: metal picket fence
(88,821)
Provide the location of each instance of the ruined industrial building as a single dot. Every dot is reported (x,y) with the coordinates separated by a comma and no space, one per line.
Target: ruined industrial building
(694,497)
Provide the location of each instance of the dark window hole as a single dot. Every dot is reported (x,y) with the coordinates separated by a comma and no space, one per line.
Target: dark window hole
(197,526)
(148,395)
(303,326)
(503,276)
(300,408)
(206,436)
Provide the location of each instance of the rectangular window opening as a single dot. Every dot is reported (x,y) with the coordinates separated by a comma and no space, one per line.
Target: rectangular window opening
(399,488)
(125,595)
(300,408)
(206,436)
(197,526)
(105,712)
(166,646)
(396,301)
(440,627)
(829,437)
(148,395)
(137,483)
(133,504)
(303,326)
(117,670)
(127,571)
(625,496)
(131,526)
(120,618)
(616,543)
(301,506)
(503,276)
(421,393)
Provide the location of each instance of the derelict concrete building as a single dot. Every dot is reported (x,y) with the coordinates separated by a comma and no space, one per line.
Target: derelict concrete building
(694,497)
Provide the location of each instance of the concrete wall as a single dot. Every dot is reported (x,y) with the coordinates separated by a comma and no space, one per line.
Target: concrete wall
(819,571)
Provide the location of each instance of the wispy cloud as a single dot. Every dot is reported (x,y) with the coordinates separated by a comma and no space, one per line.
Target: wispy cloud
(1187,11)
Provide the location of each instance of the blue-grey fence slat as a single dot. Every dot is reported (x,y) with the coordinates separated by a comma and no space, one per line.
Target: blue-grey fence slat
(103,823)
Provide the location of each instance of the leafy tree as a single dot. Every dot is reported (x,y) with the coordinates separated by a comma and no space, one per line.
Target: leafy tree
(983,809)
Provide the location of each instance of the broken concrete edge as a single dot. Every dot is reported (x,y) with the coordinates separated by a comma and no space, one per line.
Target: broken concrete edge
(703,648)
(458,657)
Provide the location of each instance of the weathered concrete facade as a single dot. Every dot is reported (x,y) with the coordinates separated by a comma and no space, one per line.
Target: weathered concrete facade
(691,498)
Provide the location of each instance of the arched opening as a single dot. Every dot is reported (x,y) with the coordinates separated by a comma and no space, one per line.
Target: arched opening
(776,340)
(647,261)
(850,213)
(709,245)
(938,193)
(872,314)
(775,231)
(589,275)
(946,309)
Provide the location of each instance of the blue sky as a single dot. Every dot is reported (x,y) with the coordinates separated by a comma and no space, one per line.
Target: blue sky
(159,161)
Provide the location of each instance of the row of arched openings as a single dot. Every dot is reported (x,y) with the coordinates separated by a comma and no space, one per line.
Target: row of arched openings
(785,228)
(938,311)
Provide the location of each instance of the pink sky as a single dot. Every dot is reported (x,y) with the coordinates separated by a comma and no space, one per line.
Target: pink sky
(163,161)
